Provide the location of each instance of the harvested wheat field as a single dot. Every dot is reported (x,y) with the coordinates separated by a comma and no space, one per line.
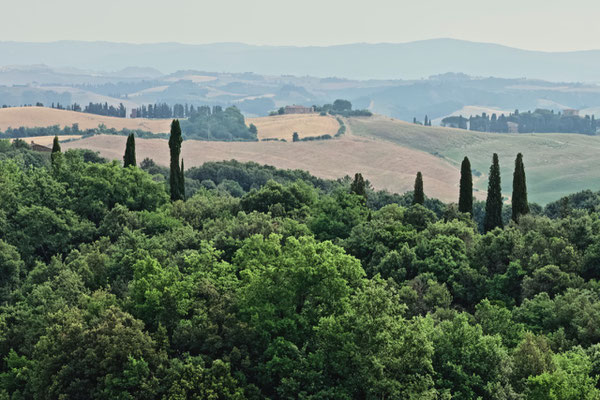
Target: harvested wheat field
(47,140)
(284,126)
(385,165)
(33,117)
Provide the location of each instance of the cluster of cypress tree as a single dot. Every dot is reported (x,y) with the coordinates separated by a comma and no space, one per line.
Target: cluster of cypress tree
(176,179)
(493,204)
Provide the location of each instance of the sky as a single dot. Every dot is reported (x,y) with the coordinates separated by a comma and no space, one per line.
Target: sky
(547,25)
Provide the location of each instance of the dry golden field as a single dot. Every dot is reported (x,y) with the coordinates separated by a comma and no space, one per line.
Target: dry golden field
(47,140)
(385,165)
(284,126)
(32,117)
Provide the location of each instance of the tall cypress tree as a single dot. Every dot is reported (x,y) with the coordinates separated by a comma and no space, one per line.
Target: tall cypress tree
(465,198)
(129,157)
(175,171)
(182,182)
(419,195)
(493,204)
(56,152)
(520,206)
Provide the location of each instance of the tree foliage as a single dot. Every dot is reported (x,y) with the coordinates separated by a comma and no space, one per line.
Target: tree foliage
(275,284)
(419,194)
(465,199)
(129,157)
(493,204)
(175,177)
(520,206)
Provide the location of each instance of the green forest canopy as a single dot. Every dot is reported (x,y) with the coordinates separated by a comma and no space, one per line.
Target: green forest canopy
(268,283)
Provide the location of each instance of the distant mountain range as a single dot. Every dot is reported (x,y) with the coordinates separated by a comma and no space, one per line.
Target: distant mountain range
(412,60)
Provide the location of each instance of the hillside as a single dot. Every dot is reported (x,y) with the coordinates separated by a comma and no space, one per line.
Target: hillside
(32,117)
(283,126)
(385,166)
(555,164)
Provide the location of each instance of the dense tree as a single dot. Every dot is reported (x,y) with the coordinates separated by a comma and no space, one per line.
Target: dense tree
(465,199)
(129,157)
(493,204)
(538,121)
(359,186)
(275,284)
(419,194)
(175,176)
(520,205)
(103,109)
(342,105)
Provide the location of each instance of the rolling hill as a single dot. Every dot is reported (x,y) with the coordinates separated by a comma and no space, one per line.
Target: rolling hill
(284,126)
(556,164)
(385,165)
(388,152)
(32,117)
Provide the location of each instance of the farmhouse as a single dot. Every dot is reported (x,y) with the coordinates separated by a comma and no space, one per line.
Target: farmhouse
(298,109)
(40,148)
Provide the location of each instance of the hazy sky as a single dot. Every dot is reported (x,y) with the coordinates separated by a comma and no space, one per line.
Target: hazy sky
(549,25)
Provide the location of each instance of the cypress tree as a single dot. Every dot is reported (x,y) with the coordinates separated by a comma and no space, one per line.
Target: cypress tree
(465,199)
(175,171)
(56,152)
(359,186)
(182,182)
(419,195)
(129,157)
(493,204)
(520,206)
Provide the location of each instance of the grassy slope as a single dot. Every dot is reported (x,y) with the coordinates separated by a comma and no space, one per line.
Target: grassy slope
(555,164)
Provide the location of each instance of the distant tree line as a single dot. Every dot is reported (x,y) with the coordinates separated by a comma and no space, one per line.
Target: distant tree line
(105,109)
(539,121)
(163,110)
(24,132)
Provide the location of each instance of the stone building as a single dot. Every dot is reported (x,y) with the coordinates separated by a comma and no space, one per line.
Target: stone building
(298,109)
